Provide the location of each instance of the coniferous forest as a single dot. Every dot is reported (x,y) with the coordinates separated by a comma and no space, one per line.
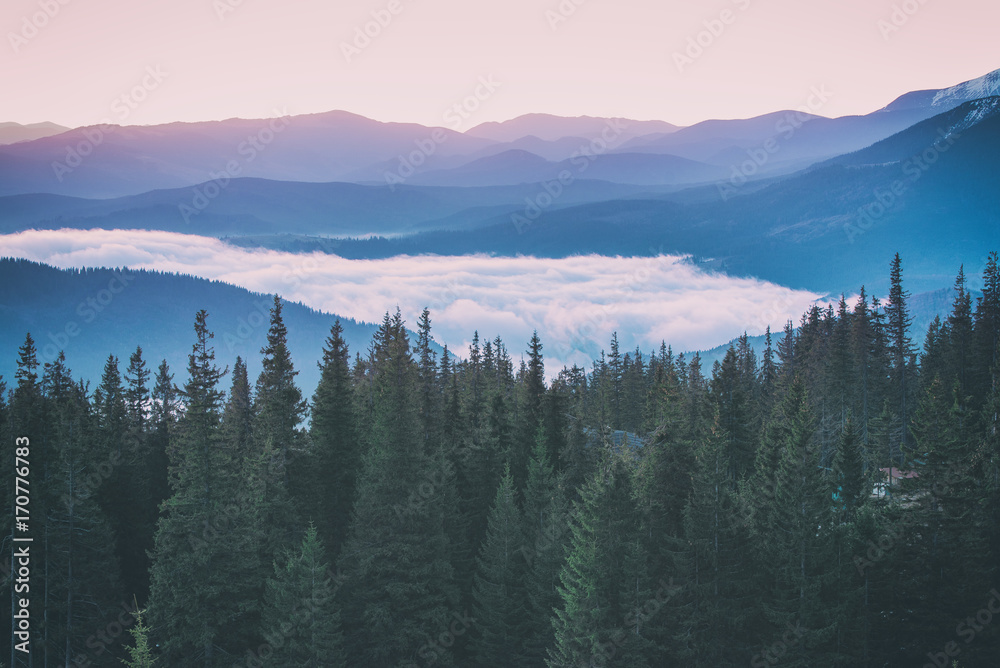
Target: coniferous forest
(831,501)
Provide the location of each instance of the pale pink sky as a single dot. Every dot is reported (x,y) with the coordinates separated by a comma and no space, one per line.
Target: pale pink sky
(609,58)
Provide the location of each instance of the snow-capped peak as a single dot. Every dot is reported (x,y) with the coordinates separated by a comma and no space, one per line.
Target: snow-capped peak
(985,86)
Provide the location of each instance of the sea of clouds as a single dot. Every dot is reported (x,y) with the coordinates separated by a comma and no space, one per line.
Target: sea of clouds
(575,303)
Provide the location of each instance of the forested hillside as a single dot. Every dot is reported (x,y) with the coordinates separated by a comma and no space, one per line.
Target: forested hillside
(89,313)
(424,510)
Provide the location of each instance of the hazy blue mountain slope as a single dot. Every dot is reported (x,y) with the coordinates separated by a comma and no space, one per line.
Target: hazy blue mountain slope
(153,310)
(825,229)
(516,167)
(258,206)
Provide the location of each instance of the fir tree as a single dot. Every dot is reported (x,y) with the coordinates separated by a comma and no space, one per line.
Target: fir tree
(986,330)
(138,483)
(942,568)
(595,622)
(278,410)
(901,352)
(429,390)
(237,416)
(204,591)
(546,533)
(141,654)
(498,592)
(793,537)
(733,389)
(80,572)
(705,622)
(335,446)
(399,590)
(959,353)
(300,620)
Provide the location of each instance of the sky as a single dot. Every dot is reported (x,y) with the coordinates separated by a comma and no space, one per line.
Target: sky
(70,61)
(574,303)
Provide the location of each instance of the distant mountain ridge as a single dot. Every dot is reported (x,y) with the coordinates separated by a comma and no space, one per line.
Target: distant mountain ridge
(552,128)
(943,99)
(11,133)
(824,229)
(116,161)
(94,313)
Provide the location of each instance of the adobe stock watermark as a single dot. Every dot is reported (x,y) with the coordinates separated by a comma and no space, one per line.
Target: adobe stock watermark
(455,116)
(634,620)
(446,295)
(432,483)
(99,641)
(248,150)
(893,535)
(91,481)
(703,40)
(122,107)
(225,7)
(771,654)
(259,316)
(301,615)
(550,536)
(33,24)
(967,629)
(454,628)
(899,17)
(586,331)
(562,13)
(582,158)
(87,310)
(777,308)
(884,199)
(370,30)
(784,129)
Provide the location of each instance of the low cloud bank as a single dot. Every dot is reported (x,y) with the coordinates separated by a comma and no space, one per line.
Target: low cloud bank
(575,303)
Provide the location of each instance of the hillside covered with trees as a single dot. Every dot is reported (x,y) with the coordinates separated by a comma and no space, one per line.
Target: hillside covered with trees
(424,510)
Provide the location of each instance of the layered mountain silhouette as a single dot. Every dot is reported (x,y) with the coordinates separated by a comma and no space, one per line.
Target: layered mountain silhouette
(75,312)
(11,133)
(824,228)
(116,161)
(792,197)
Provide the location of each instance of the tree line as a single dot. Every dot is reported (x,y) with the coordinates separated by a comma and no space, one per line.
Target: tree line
(425,510)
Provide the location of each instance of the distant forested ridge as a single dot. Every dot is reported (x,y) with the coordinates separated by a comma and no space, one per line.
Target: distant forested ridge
(89,313)
(834,501)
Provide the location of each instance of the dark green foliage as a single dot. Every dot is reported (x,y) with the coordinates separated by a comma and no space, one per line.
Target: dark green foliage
(205,593)
(399,591)
(80,563)
(546,532)
(141,469)
(704,623)
(716,521)
(603,578)
(498,591)
(278,411)
(141,654)
(734,388)
(300,619)
(900,351)
(792,535)
(943,569)
(331,469)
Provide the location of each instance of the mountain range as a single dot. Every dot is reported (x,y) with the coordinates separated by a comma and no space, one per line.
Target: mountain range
(826,228)
(791,197)
(114,161)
